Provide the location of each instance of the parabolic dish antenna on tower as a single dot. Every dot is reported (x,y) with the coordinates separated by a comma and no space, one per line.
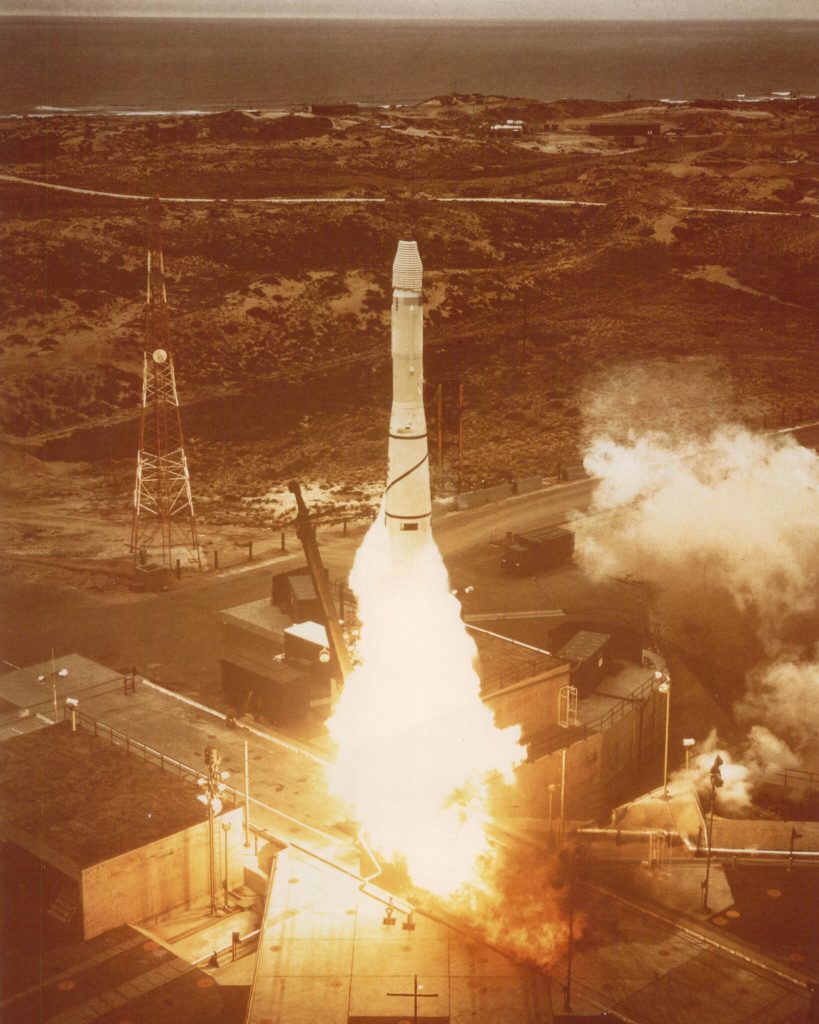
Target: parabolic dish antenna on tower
(160,355)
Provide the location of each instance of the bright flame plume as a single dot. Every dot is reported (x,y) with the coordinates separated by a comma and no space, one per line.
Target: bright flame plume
(417,747)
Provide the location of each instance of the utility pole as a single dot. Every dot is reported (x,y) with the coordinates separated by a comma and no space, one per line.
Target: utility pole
(247,796)
(163,518)
(54,675)
(440,431)
(450,398)
(213,785)
(460,436)
(567,991)
(716,782)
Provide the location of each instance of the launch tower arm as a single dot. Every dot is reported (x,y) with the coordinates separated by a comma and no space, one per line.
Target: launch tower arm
(307,535)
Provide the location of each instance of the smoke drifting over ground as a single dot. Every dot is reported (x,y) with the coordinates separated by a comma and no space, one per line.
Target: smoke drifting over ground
(723,525)
(738,512)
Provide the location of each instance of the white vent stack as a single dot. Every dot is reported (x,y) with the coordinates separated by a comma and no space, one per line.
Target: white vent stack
(407,503)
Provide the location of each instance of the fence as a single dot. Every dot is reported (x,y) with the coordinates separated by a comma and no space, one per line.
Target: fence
(584,730)
(798,777)
(284,540)
(492,682)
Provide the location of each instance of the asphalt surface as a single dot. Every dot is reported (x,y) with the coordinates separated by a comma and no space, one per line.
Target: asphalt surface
(173,637)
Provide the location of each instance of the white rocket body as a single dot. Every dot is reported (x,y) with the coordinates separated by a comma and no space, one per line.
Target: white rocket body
(407,503)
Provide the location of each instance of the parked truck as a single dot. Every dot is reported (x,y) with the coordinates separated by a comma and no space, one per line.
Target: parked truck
(538,549)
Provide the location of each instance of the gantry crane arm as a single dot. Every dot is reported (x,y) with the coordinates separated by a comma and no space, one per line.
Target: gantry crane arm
(342,666)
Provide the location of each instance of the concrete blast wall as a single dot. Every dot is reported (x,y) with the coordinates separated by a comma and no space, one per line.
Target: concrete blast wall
(532,704)
(531,792)
(601,768)
(159,876)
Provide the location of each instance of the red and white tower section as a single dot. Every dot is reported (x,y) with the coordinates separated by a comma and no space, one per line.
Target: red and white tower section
(407,503)
(164,526)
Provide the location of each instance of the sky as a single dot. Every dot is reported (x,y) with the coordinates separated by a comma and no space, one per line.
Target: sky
(506,10)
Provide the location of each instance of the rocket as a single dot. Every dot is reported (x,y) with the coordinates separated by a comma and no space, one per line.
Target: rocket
(407,503)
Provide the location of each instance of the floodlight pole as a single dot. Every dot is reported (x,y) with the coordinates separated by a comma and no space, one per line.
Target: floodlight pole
(667,727)
(247,796)
(716,782)
(567,991)
(212,761)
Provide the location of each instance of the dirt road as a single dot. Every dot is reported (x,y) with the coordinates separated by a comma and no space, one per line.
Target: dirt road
(281,200)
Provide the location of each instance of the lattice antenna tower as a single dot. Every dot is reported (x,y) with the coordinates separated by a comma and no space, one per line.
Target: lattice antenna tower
(164,524)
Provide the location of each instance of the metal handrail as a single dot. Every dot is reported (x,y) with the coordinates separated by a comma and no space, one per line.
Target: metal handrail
(797,774)
(149,754)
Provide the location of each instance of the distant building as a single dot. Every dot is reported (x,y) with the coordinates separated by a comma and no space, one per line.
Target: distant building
(630,128)
(333,109)
(509,127)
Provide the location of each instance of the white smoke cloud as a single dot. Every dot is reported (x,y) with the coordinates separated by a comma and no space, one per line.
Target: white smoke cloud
(759,756)
(728,520)
(741,509)
(785,695)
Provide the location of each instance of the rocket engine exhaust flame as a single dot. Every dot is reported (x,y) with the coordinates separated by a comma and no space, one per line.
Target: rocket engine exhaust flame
(417,747)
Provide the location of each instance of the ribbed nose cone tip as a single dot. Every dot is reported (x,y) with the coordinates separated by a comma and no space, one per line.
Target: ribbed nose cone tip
(407,269)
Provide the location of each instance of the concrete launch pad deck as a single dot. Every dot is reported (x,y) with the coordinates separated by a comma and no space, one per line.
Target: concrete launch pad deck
(326,957)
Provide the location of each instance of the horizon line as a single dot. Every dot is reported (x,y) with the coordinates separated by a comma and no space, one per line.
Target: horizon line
(158,16)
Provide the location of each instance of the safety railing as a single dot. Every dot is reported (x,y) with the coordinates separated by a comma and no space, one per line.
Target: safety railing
(797,777)
(147,754)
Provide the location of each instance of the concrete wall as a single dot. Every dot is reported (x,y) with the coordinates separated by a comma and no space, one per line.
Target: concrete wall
(601,770)
(530,796)
(155,878)
(525,484)
(531,704)
(10,834)
(473,499)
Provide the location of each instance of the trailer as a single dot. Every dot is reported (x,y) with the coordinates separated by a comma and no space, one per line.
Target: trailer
(537,549)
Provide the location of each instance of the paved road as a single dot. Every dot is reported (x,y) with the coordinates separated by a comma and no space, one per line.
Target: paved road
(283,200)
(174,637)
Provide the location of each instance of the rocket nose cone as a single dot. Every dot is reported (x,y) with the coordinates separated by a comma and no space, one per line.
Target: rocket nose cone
(407,269)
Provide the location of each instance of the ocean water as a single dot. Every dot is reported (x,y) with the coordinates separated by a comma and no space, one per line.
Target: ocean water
(163,64)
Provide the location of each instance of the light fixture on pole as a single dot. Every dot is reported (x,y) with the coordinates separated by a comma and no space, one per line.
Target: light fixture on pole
(664,686)
(71,703)
(53,675)
(688,743)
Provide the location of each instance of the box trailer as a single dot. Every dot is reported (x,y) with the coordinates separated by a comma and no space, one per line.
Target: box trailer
(538,549)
